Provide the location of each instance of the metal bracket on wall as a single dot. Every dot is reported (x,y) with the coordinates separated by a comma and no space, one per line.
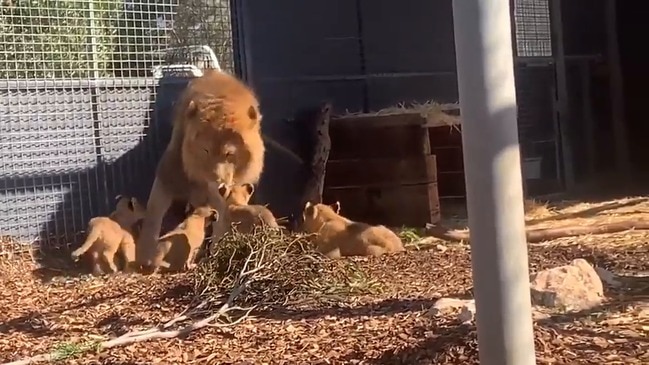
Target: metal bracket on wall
(563,108)
(619,118)
(201,54)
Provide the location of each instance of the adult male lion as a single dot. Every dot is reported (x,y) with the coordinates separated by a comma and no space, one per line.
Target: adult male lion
(216,138)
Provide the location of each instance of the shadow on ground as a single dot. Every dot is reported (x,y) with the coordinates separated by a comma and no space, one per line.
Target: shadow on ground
(40,323)
(456,343)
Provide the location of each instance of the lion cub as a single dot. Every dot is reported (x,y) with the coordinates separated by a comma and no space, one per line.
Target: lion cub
(243,215)
(107,235)
(177,249)
(338,236)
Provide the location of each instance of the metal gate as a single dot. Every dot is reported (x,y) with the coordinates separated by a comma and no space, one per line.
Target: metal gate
(84,117)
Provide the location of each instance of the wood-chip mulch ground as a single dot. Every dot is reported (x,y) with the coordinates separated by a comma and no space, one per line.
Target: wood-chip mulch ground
(392,327)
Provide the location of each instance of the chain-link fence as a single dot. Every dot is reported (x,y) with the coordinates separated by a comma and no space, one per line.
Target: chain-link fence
(85,99)
(536,95)
(532,28)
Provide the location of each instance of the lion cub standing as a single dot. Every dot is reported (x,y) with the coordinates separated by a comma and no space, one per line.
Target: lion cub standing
(243,215)
(177,249)
(338,236)
(107,235)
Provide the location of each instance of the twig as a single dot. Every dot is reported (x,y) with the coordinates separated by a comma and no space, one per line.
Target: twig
(244,277)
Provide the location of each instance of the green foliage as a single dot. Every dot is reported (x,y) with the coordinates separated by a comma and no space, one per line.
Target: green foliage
(104,38)
(288,271)
(409,235)
(206,22)
(69,350)
(54,38)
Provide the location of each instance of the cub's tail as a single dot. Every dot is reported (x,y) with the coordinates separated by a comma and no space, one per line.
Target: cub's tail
(92,237)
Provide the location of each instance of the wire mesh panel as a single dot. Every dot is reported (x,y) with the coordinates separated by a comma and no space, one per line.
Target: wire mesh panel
(537,127)
(86,89)
(532,27)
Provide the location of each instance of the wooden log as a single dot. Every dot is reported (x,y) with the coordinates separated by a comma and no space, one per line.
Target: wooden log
(318,162)
(535,235)
(311,125)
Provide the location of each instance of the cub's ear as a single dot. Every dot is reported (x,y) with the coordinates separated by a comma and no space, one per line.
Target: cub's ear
(309,210)
(253,114)
(336,207)
(223,189)
(214,214)
(249,188)
(188,208)
(118,197)
(132,203)
(191,110)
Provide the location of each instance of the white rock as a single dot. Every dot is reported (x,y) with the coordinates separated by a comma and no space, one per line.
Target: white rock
(572,287)
(446,306)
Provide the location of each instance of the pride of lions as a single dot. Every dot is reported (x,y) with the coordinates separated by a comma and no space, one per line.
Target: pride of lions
(213,159)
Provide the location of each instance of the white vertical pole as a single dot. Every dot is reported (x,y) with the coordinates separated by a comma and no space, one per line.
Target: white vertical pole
(499,258)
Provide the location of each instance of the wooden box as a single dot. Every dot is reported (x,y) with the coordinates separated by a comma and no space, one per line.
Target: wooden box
(446,145)
(381,170)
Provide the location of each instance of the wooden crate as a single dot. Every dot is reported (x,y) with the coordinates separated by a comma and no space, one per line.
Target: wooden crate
(446,144)
(381,170)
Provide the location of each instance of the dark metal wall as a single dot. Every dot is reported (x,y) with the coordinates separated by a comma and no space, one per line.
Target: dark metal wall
(584,37)
(537,93)
(369,54)
(633,30)
(360,54)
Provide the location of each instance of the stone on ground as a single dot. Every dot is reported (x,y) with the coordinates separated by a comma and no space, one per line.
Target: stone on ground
(464,308)
(571,287)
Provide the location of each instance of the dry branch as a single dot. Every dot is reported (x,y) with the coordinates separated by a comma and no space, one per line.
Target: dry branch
(252,266)
(548,234)
(589,212)
(244,271)
(295,271)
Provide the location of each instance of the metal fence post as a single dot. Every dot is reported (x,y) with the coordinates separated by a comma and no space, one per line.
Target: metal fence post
(616,86)
(93,41)
(493,180)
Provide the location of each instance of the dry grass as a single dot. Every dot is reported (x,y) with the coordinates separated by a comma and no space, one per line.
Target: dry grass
(312,311)
(294,272)
(563,214)
(435,114)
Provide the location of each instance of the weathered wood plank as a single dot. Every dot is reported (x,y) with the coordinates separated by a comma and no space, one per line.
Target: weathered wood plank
(374,142)
(445,136)
(378,121)
(381,172)
(409,205)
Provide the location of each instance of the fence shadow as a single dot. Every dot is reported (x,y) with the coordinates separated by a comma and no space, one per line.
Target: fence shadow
(92,191)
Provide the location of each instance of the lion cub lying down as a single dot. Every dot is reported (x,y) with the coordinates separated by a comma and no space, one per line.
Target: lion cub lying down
(245,216)
(338,236)
(107,235)
(177,249)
